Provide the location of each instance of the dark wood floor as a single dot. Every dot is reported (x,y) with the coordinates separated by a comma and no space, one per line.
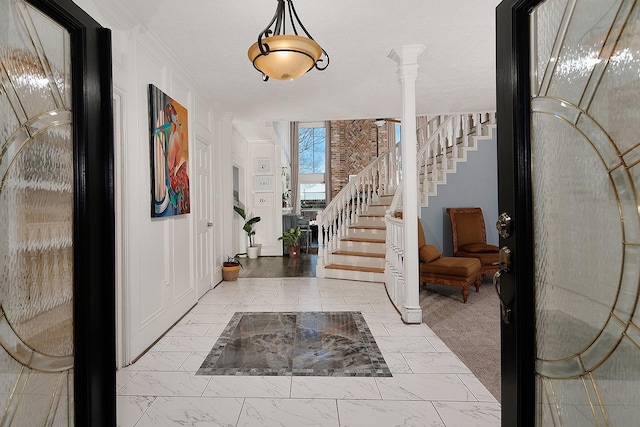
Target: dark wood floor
(279,266)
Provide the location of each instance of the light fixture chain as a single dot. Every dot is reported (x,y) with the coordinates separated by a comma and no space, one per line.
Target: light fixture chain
(281,24)
(293,9)
(291,15)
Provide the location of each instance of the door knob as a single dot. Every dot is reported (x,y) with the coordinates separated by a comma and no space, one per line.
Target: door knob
(209,224)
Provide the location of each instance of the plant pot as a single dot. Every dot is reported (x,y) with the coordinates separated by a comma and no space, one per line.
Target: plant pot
(253,251)
(294,251)
(230,271)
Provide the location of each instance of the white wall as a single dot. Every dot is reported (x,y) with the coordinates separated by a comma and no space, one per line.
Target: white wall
(475,183)
(265,202)
(157,257)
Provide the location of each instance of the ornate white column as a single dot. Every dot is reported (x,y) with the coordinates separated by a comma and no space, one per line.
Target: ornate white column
(407,59)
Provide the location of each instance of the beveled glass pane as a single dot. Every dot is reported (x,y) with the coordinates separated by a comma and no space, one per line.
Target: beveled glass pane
(603,145)
(546,408)
(556,107)
(24,67)
(632,158)
(618,388)
(585,37)
(632,336)
(616,103)
(626,302)
(628,204)
(55,47)
(546,24)
(567,368)
(568,402)
(9,121)
(603,345)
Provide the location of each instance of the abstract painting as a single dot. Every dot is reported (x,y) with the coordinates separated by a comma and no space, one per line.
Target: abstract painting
(169,139)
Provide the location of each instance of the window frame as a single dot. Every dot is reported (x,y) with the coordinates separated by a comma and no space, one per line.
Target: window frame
(315,178)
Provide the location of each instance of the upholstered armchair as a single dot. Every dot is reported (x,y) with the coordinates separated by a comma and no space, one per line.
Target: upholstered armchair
(452,271)
(470,238)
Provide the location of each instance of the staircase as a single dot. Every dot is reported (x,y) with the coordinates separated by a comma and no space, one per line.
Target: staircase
(444,142)
(353,242)
(360,254)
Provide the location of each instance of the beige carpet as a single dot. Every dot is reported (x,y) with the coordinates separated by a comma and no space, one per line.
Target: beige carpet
(471,330)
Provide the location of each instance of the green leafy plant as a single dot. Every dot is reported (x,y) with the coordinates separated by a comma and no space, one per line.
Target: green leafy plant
(291,237)
(249,223)
(233,260)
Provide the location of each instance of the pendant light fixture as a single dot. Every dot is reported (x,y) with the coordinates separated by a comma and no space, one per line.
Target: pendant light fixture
(284,56)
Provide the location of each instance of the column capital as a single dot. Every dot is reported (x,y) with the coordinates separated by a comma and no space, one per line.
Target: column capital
(406,54)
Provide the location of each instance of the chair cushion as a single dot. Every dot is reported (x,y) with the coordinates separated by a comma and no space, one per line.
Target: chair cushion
(452,266)
(478,247)
(486,258)
(469,227)
(429,253)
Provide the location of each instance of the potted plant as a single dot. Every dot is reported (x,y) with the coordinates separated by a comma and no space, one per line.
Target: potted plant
(231,268)
(291,238)
(252,249)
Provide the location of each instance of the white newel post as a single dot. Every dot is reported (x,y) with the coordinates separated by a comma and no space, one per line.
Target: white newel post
(407,59)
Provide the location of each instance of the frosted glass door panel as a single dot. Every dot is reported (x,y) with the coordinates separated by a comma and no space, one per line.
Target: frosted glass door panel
(36,219)
(585,150)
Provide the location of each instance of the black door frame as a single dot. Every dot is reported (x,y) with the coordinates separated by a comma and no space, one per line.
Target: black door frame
(93,225)
(514,197)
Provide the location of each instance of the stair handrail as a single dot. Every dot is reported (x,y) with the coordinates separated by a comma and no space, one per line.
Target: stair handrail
(427,126)
(453,134)
(431,148)
(378,178)
(468,124)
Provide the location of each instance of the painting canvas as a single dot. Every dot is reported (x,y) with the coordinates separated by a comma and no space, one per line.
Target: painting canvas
(169,138)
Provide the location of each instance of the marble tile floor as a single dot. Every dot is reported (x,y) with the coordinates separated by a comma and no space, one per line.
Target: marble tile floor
(429,385)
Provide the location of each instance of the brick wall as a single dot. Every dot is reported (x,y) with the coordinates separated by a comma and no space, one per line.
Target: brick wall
(353,145)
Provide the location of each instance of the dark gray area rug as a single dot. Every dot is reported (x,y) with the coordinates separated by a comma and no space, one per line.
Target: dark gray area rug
(471,330)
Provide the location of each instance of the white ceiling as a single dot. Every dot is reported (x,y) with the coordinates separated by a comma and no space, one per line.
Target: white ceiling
(211,37)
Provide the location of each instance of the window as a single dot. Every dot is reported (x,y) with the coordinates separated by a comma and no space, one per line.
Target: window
(313,196)
(312,150)
(312,145)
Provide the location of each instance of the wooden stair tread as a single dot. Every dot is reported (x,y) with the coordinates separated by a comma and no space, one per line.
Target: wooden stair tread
(371,215)
(369,227)
(363,254)
(362,240)
(354,268)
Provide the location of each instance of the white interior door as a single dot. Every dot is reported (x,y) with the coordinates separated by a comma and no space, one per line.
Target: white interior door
(204,218)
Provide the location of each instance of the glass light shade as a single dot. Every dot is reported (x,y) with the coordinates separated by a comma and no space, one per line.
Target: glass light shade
(289,57)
